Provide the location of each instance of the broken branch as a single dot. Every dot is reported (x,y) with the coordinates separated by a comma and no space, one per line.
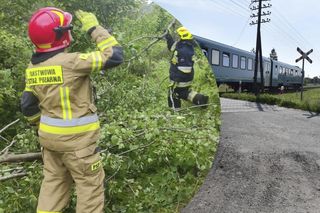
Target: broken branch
(156,40)
(140,147)
(9,158)
(6,149)
(13,176)
(10,124)
(3,138)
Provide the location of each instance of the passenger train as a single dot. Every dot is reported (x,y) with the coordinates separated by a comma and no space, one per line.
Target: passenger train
(234,67)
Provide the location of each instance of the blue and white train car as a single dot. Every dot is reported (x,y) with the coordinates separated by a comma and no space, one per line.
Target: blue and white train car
(233,66)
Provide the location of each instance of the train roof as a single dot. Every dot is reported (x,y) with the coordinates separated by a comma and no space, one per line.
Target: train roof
(223,45)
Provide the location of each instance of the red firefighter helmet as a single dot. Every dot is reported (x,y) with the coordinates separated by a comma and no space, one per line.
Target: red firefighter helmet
(49,29)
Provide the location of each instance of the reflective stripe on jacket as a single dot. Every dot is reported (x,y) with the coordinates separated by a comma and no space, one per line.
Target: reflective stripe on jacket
(63,88)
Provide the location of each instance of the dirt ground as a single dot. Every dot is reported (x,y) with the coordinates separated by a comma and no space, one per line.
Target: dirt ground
(268,160)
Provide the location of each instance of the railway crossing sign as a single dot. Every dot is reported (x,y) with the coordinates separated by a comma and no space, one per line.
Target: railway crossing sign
(302,57)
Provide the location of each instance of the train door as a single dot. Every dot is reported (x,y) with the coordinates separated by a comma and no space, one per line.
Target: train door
(275,71)
(267,73)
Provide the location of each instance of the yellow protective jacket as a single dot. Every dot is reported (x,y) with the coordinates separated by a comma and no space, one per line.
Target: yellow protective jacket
(59,93)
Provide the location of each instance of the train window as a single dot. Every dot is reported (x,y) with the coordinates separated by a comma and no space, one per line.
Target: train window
(235,61)
(215,57)
(250,64)
(281,70)
(226,59)
(291,72)
(243,63)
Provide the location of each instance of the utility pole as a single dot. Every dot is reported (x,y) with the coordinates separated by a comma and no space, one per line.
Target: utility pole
(259,21)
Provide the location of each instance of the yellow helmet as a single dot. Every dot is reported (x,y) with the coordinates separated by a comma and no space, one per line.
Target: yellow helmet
(184,33)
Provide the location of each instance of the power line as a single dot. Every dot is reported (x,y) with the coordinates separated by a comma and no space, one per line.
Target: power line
(228,8)
(283,18)
(281,25)
(245,26)
(296,32)
(241,6)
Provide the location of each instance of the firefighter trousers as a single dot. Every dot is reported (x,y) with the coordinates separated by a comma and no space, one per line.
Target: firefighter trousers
(61,169)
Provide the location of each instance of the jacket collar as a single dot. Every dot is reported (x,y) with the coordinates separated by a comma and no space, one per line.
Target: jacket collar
(41,57)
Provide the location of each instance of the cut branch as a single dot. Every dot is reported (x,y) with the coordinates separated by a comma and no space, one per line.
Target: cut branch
(18,169)
(3,138)
(195,106)
(140,38)
(6,149)
(156,40)
(10,124)
(13,176)
(14,158)
(140,147)
(114,174)
(10,158)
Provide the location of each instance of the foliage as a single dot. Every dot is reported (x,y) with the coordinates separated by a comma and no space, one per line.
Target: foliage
(179,144)
(155,158)
(7,94)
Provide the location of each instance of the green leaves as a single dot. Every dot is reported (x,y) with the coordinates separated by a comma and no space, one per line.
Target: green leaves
(154,158)
(157,158)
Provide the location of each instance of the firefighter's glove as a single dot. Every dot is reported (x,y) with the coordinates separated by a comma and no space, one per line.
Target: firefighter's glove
(88,20)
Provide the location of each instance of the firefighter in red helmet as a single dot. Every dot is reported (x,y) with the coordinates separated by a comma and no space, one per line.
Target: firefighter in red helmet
(58,100)
(49,29)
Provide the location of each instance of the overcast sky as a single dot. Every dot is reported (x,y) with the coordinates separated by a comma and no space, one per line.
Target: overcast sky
(294,23)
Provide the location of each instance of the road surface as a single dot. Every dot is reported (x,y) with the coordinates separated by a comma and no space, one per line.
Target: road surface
(268,160)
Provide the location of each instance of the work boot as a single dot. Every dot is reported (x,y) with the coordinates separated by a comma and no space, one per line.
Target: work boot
(200,99)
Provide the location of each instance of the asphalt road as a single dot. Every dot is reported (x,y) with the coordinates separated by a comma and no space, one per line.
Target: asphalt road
(268,160)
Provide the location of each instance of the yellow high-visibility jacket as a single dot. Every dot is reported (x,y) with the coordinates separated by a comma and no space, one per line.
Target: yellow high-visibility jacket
(59,97)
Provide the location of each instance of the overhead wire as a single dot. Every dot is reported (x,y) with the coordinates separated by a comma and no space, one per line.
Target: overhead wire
(242,8)
(275,27)
(242,32)
(227,8)
(239,10)
(287,32)
(306,44)
(285,20)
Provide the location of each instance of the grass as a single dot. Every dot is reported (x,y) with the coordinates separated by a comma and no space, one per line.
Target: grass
(311,99)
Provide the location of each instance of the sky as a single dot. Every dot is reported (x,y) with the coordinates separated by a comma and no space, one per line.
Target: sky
(293,24)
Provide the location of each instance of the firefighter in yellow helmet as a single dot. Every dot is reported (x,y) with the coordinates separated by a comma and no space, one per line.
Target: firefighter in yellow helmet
(182,71)
(58,99)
